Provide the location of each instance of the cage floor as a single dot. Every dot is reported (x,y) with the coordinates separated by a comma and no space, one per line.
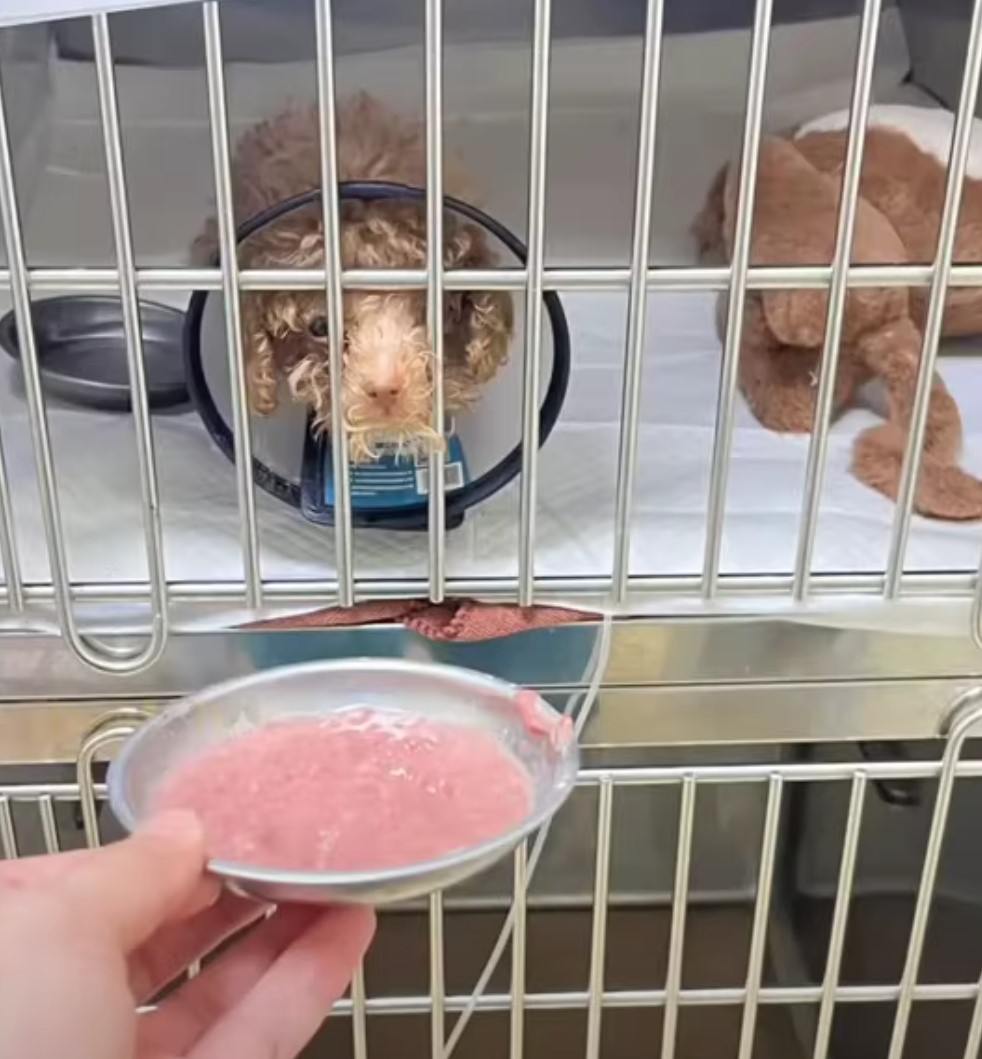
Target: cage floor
(99,489)
(591,153)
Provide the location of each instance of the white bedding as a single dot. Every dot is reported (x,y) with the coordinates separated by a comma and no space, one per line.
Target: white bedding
(99,485)
(167,162)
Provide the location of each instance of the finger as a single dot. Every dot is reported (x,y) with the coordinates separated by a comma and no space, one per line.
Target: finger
(196,1006)
(133,887)
(175,947)
(25,873)
(49,869)
(283,1010)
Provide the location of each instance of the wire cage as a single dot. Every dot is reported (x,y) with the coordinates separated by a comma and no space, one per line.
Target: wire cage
(697,944)
(586,522)
(772,843)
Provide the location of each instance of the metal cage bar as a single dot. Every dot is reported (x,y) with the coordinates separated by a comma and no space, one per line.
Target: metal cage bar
(57,792)
(8,836)
(632,1000)
(731,587)
(9,555)
(359,1027)
(129,297)
(218,115)
(121,723)
(108,730)
(330,204)
(49,826)
(671,775)
(519,937)
(846,224)
(635,999)
(947,231)
(840,915)
(680,902)
(598,936)
(976,614)
(974,1040)
(437,517)
(98,279)
(437,978)
(99,656)
(758,933)
(726,400)
(637,301)
(538,157)
(965,718)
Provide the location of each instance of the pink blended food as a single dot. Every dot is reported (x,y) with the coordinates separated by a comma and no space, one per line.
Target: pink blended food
(358,790)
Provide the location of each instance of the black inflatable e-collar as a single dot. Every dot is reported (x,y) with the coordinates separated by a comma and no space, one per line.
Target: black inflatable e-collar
(307,496)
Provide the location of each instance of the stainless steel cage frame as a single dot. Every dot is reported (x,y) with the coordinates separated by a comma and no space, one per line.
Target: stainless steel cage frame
(769,660)
(621,588)
(774,779)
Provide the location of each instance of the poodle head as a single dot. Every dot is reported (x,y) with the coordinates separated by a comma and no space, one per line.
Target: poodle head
(387,358)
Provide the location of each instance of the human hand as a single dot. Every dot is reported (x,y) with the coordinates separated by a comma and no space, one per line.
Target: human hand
(85,937)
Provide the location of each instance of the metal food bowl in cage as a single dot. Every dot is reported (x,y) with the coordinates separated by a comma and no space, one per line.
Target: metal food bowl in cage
(293,465)
(440,693)
(82,354)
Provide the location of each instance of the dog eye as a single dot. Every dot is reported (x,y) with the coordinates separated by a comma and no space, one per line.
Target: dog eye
(318,327)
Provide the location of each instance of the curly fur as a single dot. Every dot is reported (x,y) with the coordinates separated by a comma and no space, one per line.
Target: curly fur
(388,361)
(795,217)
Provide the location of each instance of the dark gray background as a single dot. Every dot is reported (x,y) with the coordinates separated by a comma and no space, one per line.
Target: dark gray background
(279,30)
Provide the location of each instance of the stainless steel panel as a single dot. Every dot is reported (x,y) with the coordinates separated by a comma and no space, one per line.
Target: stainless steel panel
(664,654)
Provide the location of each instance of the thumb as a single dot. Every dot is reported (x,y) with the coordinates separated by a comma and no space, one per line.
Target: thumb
(135,886)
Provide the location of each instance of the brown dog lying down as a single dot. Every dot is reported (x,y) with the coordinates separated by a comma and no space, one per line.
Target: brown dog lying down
(388,360)
(795,213)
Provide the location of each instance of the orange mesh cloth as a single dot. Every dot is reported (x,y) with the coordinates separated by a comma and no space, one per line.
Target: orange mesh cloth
(463,620)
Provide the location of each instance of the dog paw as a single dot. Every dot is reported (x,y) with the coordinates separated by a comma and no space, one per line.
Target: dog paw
(947,492)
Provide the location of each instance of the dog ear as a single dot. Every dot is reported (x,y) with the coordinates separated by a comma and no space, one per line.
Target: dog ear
(489,320)
(795,221)
(204,249)
(485,320)
(262,375)
(794,215)
(708,227)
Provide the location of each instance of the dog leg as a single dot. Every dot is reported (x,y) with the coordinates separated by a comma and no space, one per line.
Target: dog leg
(780,383)
(943,490)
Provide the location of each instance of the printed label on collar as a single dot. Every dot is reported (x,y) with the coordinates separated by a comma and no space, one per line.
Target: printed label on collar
(397,479)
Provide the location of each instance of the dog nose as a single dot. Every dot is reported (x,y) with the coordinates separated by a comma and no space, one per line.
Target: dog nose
(385,396)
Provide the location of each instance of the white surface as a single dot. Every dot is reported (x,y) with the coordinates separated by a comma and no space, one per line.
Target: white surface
(99,489)
(22,12)
(591,177)
(929,127)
